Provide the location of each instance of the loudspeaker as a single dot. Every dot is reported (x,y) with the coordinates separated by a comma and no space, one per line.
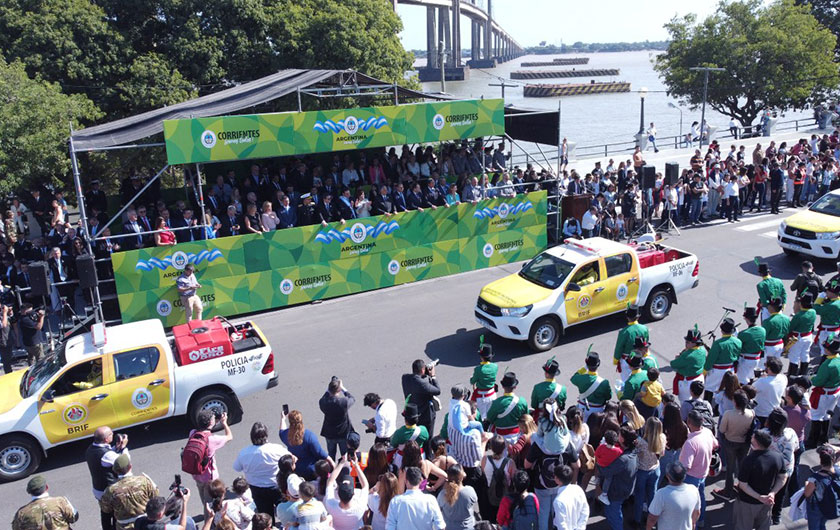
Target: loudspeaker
(86,268)
(39,278)
(648,177)
(672,173)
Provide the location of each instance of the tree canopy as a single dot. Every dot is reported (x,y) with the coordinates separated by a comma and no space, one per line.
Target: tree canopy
(828,14)
(776,56)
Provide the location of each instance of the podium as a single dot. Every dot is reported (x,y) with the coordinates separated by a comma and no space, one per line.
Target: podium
(575,206)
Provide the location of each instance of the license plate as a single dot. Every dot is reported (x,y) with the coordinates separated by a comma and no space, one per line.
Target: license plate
(794,245)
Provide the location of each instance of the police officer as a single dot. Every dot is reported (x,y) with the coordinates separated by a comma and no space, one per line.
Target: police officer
(126,499)
(769,288)
(549,388)
(722,357)
(828,310)
(752,346)
(410,432)
(825,391)
(506,410)
(626,339)
(484,379)
(776,325)
(594,390)
(633,384)
(802,330)
(689,364)
(44,511)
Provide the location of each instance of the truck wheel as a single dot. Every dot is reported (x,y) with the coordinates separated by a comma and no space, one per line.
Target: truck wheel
(19,457)
(658,304)
(215,400)
(545,334)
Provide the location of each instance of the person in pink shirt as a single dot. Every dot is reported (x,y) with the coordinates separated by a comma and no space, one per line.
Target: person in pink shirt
(696,455)
(206,422)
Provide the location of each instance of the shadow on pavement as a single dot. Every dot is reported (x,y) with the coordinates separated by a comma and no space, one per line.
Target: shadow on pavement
(787,267)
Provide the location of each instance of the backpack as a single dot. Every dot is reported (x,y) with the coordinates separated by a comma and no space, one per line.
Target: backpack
(526,516)
(546,470)
(496,491)
(705,410)
(194,457)
(829,505)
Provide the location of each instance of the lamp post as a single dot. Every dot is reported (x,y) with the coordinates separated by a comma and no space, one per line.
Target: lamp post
(705,70)
(671,104)
(641,139)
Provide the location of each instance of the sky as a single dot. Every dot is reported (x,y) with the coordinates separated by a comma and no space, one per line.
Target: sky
(562,21)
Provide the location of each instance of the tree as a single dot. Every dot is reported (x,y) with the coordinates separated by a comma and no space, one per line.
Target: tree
(35,121)
(828,14)
(776,57)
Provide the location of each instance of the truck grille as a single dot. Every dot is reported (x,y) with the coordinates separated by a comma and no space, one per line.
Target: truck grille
(798,232)
(488,308)
(799,243)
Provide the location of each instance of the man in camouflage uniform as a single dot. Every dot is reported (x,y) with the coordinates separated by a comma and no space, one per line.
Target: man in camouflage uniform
(43,511)
(126,498)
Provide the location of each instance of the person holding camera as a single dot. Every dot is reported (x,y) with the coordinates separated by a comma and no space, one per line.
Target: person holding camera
(384,423)
(31,324)
(335,404)
(156,518)
(421,388)
(100,457)
(5,347)
(199,455)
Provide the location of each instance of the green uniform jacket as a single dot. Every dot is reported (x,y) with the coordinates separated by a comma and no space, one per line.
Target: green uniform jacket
(828,374)
(544,390)
(127,498)
(770,288)
(484,375)
(500,404)
(50,512)
(725,350)
(633,384)
(803,322)
(649,361)
(752,339)
(583,379)
(776,326)
(626,338)
(829,313)
(690,363)
(404,434)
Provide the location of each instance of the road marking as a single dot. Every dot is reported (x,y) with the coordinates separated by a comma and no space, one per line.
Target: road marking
(758,226)
(769,235)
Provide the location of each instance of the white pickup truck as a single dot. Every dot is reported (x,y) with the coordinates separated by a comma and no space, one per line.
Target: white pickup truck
(582,280)
(128,375)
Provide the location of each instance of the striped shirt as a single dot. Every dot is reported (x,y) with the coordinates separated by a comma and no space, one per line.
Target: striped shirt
(466,447)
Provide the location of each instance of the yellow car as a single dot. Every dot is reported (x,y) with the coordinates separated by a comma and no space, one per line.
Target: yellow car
(815,231)
(582,280)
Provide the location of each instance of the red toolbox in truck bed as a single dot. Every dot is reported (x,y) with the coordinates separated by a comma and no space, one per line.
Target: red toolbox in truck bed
(199,340)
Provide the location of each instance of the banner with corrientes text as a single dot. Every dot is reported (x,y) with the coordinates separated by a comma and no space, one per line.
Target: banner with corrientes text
(197,140)
(254,272)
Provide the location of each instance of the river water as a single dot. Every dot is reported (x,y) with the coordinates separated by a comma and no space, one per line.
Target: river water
(597,118)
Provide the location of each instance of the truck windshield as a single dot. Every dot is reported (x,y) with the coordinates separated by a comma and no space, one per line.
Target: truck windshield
(41,372)
(546,271)
(828,204)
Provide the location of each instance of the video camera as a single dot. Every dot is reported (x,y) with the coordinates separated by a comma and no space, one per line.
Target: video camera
(177,488)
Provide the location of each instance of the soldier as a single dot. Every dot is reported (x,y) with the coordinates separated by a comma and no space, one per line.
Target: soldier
(802,332)
(637,377)
(594,390)
(641,348)
(126,499)
(825,392)
(548,389)
(44,511)
(484,379)
(506,410)
(689,364)
(626,339)
(769,288)
(752,346)
(828,310)
(722,357)
(776,326)
(410,432)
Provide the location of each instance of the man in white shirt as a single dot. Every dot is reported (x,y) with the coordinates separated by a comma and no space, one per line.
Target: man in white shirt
(414,510)
(769,389)
(258,462)
(730,198)
(733,128)
(571,228)
(589,222)
(651,134)
(571,511)
(384,423)
(345,504)
(676,506)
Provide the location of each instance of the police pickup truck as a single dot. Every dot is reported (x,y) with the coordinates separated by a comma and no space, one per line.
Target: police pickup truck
(582,280)
(128,375)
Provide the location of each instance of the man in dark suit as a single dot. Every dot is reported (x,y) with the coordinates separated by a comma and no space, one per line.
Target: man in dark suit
(132,227)
(286,214)
(41,209)
(231,224)
(346,210)
(306,211)
(326,211)
(420,387)
(59,272)
(147,225)
(186,221)
(95,197)
(432,195)
(398,198)
(255,178)
(212,202)
(382,204)
(415,200)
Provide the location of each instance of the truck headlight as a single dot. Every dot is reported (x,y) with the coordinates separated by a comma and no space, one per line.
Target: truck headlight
(828,235)
(516,311)
(783,226)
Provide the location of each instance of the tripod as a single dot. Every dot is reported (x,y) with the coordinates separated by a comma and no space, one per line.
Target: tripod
(644,227)
(668,225)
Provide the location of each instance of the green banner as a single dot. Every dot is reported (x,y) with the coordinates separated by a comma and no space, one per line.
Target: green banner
(254,272)
(195,140)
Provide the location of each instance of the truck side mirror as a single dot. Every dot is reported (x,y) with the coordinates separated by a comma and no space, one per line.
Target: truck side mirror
(48,396)
(572,287)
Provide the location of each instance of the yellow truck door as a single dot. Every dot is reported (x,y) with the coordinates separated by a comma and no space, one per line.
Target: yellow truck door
(143,385)
(623,281)
(587,302)
(79,401)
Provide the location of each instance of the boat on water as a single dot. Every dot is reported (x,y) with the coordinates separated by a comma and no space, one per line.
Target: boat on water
(574,89)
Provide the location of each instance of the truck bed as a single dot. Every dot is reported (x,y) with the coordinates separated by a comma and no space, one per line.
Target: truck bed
(655,254)
(249,340)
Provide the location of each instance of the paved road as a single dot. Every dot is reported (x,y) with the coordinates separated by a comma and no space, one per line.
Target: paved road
(371,338)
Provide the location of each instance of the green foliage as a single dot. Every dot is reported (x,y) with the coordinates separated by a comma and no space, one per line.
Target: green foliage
(596,47)
(827,12)
(776,57)
(36,122)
